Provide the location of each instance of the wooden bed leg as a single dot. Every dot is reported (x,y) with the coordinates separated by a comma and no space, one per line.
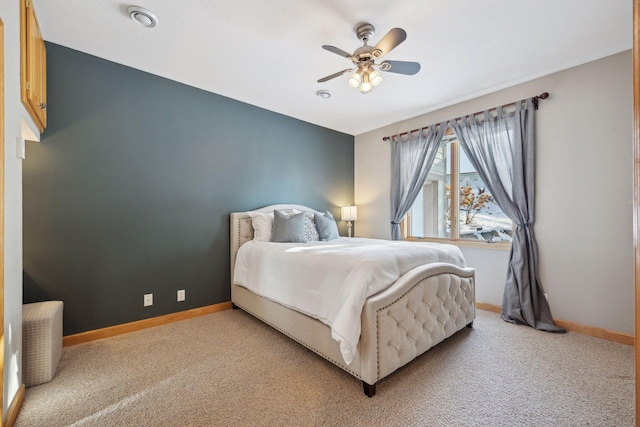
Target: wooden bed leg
(369,389)
(470,325)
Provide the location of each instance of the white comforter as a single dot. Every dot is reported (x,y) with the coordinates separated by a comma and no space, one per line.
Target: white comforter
(330,281)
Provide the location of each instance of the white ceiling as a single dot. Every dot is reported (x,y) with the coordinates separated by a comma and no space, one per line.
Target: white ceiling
(268,52)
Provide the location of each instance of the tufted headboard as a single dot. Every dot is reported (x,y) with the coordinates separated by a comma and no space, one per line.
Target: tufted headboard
(241,229)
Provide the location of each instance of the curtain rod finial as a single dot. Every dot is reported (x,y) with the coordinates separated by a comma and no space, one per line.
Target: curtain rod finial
(543,95)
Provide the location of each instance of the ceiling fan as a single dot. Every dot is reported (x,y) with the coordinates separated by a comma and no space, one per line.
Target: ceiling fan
(365,76)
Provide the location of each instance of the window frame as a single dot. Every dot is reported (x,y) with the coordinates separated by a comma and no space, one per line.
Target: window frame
(454,235)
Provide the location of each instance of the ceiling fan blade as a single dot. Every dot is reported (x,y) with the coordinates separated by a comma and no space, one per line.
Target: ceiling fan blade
(334,75)
(393,38)
(336,50)
(400,67)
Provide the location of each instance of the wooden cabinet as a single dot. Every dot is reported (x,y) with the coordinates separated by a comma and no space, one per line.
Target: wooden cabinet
(33,70)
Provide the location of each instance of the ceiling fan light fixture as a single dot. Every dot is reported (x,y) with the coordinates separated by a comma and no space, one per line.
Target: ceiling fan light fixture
(366,88)
(374,77)
(355,79)
(366,85)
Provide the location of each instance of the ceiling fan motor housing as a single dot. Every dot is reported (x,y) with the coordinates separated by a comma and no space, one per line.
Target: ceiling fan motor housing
(363,53)
(365,32)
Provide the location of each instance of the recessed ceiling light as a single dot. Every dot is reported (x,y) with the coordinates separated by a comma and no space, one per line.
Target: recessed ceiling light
(143,16)
(324,93)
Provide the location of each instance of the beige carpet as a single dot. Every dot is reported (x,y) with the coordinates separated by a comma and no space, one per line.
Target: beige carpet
(228,369)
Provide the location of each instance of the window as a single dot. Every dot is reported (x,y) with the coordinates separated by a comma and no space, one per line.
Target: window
(471,215)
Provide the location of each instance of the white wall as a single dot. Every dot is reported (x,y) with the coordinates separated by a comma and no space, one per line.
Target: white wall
(584,168)
(14,114)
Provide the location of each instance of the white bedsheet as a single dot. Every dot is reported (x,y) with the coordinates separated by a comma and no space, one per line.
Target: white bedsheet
(330,281)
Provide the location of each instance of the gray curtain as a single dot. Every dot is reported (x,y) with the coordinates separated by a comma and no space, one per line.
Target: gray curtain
(502,151)
(410,163)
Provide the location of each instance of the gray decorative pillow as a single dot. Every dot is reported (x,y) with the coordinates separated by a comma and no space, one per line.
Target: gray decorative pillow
(288,228)
(327,227)
(310,229)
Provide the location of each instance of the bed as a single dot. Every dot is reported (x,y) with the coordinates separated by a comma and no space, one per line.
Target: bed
(421,308)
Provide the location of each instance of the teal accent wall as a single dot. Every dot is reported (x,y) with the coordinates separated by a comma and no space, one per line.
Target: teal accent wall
(130,189)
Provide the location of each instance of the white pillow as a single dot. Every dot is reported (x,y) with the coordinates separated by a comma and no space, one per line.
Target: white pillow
(262,225)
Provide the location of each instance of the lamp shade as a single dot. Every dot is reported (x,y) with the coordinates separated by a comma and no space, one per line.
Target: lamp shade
(349,213)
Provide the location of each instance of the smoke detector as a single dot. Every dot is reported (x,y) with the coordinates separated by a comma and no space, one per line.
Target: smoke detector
(143,16)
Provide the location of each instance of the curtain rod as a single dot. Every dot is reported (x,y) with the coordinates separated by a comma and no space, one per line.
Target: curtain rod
(543,95)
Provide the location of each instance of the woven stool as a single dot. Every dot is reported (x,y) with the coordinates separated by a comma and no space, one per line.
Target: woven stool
(41,341)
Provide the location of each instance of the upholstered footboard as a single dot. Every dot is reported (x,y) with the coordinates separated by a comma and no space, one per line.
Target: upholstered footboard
(425,306)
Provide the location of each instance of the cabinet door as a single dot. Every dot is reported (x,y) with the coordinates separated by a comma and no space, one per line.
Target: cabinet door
(34,67)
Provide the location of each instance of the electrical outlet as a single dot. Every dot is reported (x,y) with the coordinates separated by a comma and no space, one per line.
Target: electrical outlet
(148,300)
(181,295)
